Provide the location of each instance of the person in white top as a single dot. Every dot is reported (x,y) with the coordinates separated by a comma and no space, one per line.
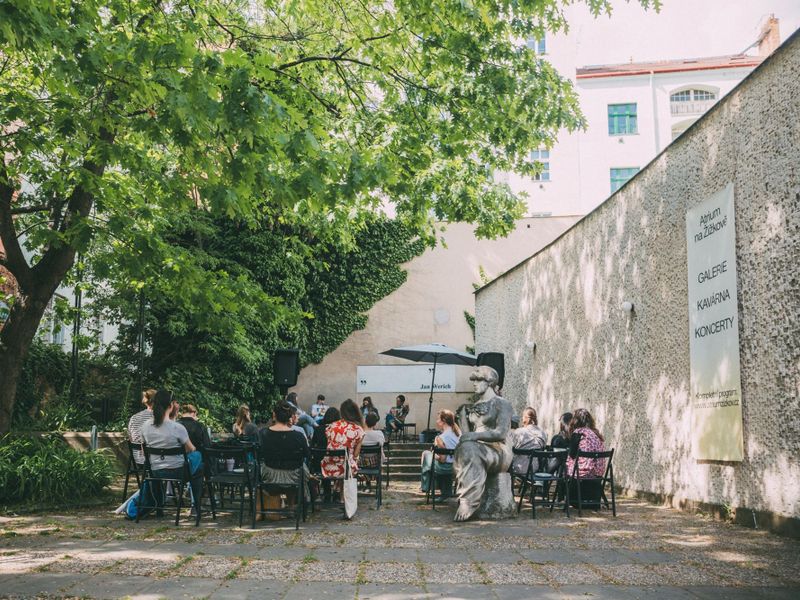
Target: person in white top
(318,409)
(165,433)
(442,467)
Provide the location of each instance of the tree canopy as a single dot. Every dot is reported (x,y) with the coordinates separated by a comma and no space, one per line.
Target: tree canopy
(119,116)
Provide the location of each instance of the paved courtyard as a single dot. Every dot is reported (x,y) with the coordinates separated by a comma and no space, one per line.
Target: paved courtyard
(402,551)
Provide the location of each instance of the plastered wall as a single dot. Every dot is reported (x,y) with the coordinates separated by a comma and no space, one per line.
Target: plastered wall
(632,370)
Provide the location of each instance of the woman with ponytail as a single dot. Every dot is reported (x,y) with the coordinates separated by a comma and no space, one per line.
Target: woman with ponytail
(443,466)
(163,432)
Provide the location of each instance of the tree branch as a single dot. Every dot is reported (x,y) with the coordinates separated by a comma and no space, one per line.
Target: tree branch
(26,210)
(11,257)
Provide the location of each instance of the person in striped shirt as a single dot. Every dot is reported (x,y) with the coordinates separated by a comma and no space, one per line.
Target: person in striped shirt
(138,421)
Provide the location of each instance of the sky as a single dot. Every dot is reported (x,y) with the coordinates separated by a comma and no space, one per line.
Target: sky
(682,29)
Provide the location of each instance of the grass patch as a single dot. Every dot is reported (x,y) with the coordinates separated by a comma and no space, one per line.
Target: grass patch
(485,580)
(234,573)
(182,561)
(309,558)
(361,575)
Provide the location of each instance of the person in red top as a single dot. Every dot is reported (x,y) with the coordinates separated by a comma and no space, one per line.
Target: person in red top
(347,433)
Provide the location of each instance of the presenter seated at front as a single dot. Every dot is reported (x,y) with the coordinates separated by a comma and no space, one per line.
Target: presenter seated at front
(486,449)
(397,415)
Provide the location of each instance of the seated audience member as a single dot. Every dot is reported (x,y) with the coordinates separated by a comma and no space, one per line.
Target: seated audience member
(318,409)
(367,407)
(320,441)
(346,433)
(528,437)
(295,426)
(244,426)
(591,441)
(561,439)
(372,437)
(303,419)
(397,415)
(198,433)
(163,432)
(275,442)
(442,467)
(139,420)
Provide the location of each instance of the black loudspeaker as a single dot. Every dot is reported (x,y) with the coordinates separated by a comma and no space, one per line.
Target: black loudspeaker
(286,367)
(495,360)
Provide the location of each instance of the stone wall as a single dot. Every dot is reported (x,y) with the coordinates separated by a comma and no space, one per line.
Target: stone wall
(632,371)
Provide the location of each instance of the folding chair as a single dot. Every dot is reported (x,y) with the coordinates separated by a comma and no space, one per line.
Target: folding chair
(134,468)
(608,477)
(317,455)
(289,461)
(155,483)
(545,468)
(242,478)
(372,466)
(431,493)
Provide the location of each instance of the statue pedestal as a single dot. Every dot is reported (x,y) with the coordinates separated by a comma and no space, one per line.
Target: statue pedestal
(498,499)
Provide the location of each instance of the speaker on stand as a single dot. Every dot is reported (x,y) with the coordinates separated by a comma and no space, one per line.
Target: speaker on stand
(286,368)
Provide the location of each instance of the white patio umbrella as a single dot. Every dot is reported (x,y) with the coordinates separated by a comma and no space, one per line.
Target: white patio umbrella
(435,353)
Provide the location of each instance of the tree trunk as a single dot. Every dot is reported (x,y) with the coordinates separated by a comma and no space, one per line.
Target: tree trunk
(15,341)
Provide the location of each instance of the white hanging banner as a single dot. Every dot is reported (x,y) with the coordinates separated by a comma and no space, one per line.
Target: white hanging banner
(716,390)
(411,378)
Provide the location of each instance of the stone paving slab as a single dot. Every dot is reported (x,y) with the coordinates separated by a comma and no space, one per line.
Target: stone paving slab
(405,550)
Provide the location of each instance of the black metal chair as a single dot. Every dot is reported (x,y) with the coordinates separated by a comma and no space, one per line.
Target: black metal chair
(317,456)
(242,478)
(152,485)
(578,482)
(408,426)
(289,461)
(430,495)
(371,465)
(134,468)
(546,472)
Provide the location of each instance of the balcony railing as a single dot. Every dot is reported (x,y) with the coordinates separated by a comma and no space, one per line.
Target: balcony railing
(696,107)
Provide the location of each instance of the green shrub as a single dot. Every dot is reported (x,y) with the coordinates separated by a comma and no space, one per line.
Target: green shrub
(48,470)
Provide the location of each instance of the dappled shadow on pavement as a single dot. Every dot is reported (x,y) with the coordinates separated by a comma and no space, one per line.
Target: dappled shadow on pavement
(404,550)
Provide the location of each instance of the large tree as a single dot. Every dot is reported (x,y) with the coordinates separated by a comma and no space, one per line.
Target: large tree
(116,115)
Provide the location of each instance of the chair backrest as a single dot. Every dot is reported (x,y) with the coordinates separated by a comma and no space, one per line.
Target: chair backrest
(285,460)
(135,451)
(552,460)
(529,452)
(215,455)
(317,454)
(438,451)
(606,455)
(162,452)
(370,456)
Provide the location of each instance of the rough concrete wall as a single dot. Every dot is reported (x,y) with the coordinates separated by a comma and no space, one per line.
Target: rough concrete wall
(632,372)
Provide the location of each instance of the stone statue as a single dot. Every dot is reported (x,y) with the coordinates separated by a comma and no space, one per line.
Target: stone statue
(483,454)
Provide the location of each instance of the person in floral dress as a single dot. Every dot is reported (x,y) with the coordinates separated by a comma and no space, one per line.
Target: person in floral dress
(347,433)
(591,441)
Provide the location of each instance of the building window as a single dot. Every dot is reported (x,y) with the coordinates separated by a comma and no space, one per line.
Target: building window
(539,46)
(542,157)
(692,96)
(622,119)
(691,101)
(620,177)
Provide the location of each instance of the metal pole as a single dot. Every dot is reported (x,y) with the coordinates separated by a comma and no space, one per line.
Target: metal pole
(141,342)
(430,399)
(76,332)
